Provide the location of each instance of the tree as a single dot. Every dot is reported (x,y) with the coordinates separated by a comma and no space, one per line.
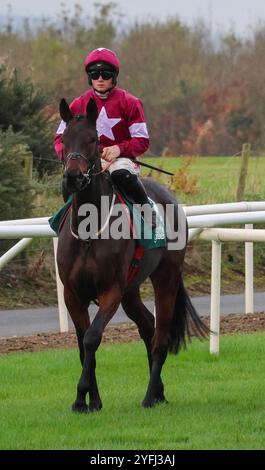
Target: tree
(162,65)
(22,107)
(15,187)
(59,49)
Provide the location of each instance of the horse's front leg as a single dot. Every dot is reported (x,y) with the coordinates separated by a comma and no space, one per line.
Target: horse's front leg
(109,302)
(80,317)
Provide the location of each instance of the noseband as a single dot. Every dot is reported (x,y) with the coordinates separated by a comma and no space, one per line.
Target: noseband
(87,177)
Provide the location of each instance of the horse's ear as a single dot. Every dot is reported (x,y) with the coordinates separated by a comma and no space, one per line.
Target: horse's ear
(65,111)
(92,111)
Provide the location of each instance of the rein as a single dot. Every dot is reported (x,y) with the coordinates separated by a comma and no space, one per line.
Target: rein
(88,178)
(101,230)
(151,167)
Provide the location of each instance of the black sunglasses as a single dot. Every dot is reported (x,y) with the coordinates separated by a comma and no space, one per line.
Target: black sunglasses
(105,74)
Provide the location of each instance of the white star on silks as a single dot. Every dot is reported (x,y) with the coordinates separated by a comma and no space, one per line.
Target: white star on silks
(105,124)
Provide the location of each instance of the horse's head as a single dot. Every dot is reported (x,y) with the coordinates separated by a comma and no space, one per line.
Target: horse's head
(80,145)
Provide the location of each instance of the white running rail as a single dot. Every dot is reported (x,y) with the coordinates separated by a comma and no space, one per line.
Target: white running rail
(201,221)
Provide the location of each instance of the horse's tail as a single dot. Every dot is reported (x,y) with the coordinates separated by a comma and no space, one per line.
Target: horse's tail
(185,322)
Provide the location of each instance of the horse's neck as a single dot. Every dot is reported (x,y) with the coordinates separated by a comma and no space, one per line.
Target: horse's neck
(99,187)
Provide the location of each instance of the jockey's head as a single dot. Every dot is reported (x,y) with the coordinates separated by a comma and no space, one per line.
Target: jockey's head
(102,67)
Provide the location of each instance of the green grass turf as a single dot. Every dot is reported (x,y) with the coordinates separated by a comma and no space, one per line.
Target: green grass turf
(217,180)
(217,177)
(214,402)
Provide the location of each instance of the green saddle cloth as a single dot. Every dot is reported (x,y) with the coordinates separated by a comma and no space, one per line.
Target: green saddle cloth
(56,221)
(145,236)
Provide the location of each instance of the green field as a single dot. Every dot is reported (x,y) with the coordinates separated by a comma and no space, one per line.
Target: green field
(217,180)
(217,177)
(34,279)
(214,402)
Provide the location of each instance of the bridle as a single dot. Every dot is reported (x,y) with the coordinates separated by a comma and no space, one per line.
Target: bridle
(87,177)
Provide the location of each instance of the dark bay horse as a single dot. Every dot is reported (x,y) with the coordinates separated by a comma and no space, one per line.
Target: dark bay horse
(98,269)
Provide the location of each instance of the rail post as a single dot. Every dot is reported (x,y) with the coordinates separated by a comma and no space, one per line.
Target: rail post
(63,314)
(243,171)
(249,275)
(28,166)
(215,297)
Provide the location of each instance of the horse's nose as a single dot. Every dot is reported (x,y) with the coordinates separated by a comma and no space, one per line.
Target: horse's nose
(73,180)
(74,173)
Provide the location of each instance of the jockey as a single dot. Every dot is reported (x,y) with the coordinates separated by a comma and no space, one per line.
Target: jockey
(121,125)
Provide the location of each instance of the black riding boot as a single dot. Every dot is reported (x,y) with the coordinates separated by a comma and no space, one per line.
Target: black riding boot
(134,188)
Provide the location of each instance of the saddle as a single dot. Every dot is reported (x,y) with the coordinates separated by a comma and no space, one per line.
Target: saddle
(156,238)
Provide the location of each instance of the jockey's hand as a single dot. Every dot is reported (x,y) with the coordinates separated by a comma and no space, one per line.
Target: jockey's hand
(111,153)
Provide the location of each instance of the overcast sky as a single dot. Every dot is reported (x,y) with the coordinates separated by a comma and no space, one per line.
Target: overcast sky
(242,14)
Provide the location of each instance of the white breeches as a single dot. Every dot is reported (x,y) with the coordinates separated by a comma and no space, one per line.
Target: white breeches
(123,164)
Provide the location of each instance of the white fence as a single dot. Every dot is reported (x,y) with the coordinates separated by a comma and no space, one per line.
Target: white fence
(201,220)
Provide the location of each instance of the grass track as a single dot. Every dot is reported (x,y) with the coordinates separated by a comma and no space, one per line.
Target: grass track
(215,403)
(217,177)
(217,182)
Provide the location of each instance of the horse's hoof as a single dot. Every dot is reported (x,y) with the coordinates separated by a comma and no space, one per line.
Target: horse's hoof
(80,408)
(95,406)
(161,399)
(150,403)
(147,403)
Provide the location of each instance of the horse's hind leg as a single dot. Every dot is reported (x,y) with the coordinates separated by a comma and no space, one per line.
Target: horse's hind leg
(165,282)
(139,313)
